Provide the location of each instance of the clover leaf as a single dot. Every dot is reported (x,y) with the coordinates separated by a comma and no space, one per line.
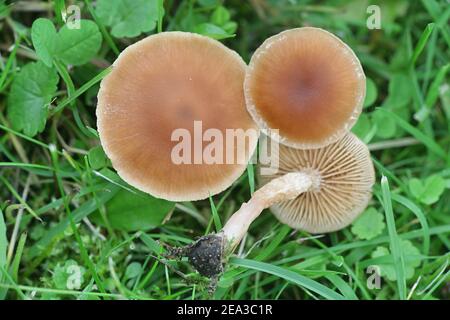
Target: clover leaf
(128,18)
(133,270)
(399,91)
(43,35)
(411,256)
(371,93)
(387,127)
(369,225)
(75,46)
(31,93)
(78,46)
(97,158)
(363,126)
(428,191)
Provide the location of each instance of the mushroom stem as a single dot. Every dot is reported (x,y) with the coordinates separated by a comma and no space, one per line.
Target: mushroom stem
(208,254)
(286,187)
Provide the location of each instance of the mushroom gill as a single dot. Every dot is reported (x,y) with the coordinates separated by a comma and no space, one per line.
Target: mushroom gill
(343,176)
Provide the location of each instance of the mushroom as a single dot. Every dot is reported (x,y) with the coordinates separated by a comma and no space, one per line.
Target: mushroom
(342,176)
(317,190)
(306,83)
(160,88)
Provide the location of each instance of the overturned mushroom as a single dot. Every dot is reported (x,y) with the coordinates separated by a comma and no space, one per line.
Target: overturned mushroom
(166,87)
(306,83)
(342,176)
(320,190)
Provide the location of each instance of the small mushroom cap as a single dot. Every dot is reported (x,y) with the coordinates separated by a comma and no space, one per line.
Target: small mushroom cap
(343,176)
(163,83)
(306,83)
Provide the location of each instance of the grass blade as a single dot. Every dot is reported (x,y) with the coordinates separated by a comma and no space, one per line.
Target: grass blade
(394,240)
(343,286)
(3,248)
(422,42)
(289,275)
(215,215)
(251,177)
(85,87)
(420,215)
(432,95)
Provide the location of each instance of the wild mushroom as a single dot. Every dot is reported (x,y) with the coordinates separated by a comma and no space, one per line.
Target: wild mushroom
(164,84)
(342,177)
(318,190)
(306,83)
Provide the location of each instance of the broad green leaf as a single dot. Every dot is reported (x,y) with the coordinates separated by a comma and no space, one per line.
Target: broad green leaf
(78,46)
(133,270)
(135,211)
(44,36)
(369,225)
(128,18)
(429,191)
(362,126)
(220,16)
(97,158)
(387,127)
(411,255)
(416,187)
(212,31)
(230,27)
(31,93)
(72,46)
(399,91)
(371,93)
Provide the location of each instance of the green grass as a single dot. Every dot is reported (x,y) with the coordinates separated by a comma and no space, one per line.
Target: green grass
(56,187)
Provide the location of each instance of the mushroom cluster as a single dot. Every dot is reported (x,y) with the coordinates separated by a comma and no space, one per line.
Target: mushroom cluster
(304,82)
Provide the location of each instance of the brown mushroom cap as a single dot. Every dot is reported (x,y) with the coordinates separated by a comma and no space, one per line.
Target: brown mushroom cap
(163,83)
(308,84)
(343,176)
